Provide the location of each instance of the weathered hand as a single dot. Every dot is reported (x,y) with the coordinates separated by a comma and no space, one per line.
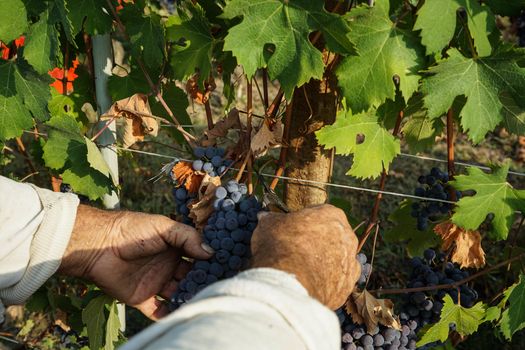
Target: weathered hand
(132,256)
(316,244)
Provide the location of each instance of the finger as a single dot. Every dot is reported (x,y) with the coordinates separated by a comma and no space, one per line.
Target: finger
(182,270)
(169,289)
(153,308)
(186,238)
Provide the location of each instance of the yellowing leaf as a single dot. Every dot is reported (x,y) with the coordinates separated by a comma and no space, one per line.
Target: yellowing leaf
(139,120)
(465,244)
(365,308)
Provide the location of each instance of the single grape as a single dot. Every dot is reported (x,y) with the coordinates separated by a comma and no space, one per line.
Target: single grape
(197,165)
(221,192)
(216,161)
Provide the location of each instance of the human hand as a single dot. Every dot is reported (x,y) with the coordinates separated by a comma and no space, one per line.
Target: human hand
(315,244)
(132,256)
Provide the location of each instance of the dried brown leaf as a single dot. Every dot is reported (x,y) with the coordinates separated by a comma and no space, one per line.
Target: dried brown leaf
(221,128)
(367,309)
(184,174)
(465,244)
(138,118)
(269,135)
(201,211)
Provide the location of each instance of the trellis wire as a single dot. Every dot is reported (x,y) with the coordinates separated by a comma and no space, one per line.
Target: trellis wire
(407,155)
(484,167)
(311,182)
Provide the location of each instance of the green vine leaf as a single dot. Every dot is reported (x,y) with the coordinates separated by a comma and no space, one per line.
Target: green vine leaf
(466,320)
(376,151)
(13,20)
(42,45)
(195,55)
(112,327)
(405,229)
(384,52)
(482,81)
(513,318)
(420,131)
(92,15)
(146,35)
(23,94)
(77,157)
(493,195)
(123,87)
(94,317)
(59,13)
(480,21)
(513,115)
(275,33)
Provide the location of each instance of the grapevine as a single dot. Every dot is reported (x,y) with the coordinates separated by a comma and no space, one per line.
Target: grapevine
(354,84)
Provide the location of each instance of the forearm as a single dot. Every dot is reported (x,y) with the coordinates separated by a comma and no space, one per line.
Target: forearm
(259,306)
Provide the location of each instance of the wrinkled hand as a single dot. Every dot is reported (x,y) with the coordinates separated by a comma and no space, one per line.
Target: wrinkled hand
(316,244)
(132,256)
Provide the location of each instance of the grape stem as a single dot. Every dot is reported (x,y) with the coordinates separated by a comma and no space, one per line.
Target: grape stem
(450,152)
(207,107)
(187,136)
(285,144)
(450,285)
(265,87)
(249,109)
(379,196)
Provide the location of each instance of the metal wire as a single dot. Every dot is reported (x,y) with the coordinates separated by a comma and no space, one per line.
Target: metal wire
(311,182)
(484,167)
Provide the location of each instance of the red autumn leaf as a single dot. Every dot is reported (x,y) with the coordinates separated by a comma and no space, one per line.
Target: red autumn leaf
(6,51)
(58,75)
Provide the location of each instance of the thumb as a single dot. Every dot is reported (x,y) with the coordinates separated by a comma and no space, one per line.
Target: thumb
(187,239)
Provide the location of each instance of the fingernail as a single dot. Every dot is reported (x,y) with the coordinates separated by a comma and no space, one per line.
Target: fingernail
(207,248)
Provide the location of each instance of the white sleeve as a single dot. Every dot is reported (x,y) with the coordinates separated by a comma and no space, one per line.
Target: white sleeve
(258,309)
(35,226)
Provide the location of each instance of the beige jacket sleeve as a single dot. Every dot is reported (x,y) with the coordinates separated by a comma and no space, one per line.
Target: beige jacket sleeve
(259,309)
(35,226)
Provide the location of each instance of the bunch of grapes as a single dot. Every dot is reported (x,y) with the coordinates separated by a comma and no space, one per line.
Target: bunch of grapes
(183,199)
(425,307)
(229,230)
(210,160)
(366,268)
(433,185)
(357,337)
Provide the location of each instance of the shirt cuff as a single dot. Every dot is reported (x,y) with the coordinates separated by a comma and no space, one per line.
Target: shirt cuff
(47,246)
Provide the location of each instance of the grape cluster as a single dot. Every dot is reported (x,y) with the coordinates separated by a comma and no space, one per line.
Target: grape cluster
(425,307)
(228,231)
(433,185)
(183,199)
(210,160)
(366,268)
(357,337)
